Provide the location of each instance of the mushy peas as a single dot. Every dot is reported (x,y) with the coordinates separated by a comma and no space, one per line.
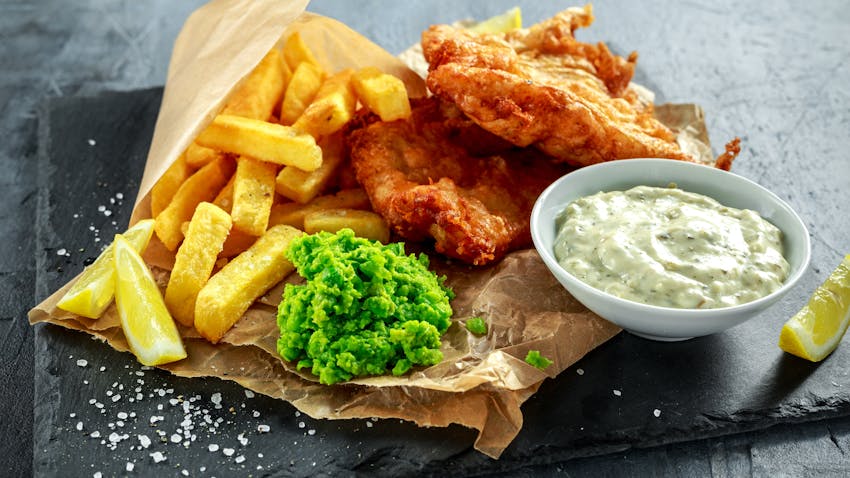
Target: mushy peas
(671,248)
(366,309)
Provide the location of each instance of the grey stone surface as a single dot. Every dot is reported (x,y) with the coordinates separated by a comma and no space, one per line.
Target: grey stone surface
(775,73)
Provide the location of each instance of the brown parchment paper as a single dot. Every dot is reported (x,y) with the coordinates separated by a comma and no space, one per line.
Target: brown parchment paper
(482,381)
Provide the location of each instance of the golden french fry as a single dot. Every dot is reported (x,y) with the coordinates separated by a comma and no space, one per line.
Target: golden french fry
(383,94)
(261,91)
(292,213)
(224,198)
(195,260)
(295,52)
(201,186)
(198,156)
(166,187)
(229,293)
(253,193)
(364,223)
(302,88)
(302,186)
(262,140)
(332,107)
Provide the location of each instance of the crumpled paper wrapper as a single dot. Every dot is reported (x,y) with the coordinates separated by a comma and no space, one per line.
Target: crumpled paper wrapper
(483,380)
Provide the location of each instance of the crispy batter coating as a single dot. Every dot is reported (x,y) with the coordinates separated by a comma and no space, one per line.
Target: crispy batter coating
(540,86)
(439,175)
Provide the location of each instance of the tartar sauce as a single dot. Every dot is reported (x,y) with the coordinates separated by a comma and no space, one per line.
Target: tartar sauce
(671,248)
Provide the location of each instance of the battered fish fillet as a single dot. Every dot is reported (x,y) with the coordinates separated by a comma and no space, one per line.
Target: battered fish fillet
(439,175)
(540,86)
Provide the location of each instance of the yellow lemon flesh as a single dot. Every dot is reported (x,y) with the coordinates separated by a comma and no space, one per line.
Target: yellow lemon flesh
(815,331)
(510,20)
(93,291)
(147,325)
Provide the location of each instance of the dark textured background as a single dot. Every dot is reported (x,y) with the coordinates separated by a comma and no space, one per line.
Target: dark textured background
(771,72)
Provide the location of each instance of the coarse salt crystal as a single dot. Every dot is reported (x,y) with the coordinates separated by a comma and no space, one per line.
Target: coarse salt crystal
(263,428)
(176,438)
(95,434)
(249,394)
(184,472)
(212,447)
(256,414)
(119,195)
(158,457)
(580,371)
(79,426)
(617,393)
(116,397)
(311,432)
(144,441)
(122,415)
(130,466)
(656,412)
(301,425)
(97,474)
(369,424)
(239,459)
(101,208)
(82,363)
(242,439)
(228,451)
(92,142)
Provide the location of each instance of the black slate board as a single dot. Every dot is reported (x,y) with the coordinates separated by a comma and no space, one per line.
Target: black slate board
(726,383)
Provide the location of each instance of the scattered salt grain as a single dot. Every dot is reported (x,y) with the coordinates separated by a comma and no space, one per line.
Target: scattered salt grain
(256,414)
(92,142)
(249,394)
(102,369)
(158,457)
(216,399)
(79,426)
(212,447)
(369,424)
(122,415)
(228,451)
(580,371)
(656,412)
(264,428)
(97,474)
(119,195)
(242,440)
(311,432)
(176,438)
(144,441)
(184,472)
(95,434)
(617,393)
(239,459)
(130,466)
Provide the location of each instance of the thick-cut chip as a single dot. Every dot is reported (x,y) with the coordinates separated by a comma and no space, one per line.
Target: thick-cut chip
(332,108)
(364,223)
(261,91)
(262,140)
(292,213)
(229,293)
(224,198)
(195,260)
(198,156)
(383,94)
(295,52)
(253,193)
(166,187)
(302,88)
(201,186)
(302,186)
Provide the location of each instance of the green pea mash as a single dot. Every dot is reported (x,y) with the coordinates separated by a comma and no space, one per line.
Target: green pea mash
(366,308)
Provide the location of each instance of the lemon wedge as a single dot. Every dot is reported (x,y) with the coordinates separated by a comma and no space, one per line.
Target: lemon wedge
(510,20)
(92,293)
(147,325)
(815,331)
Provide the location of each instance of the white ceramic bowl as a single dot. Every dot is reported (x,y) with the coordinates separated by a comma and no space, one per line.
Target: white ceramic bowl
(665,323)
